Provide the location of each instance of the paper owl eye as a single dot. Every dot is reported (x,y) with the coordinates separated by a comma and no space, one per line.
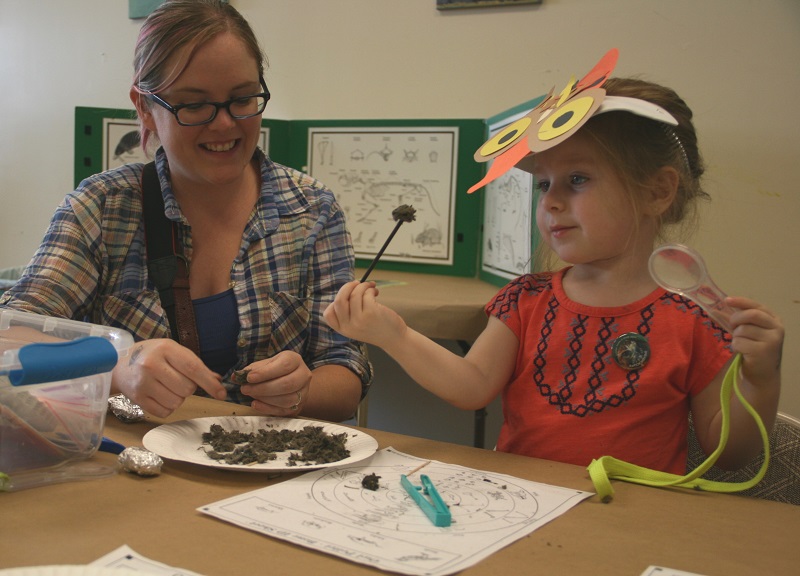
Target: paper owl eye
(503,139)
(549,123)
(513,133)
(558,124)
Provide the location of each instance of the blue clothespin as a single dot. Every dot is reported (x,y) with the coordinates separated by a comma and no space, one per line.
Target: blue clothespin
(435,509)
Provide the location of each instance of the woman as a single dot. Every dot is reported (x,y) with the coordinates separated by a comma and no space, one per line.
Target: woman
(266,246)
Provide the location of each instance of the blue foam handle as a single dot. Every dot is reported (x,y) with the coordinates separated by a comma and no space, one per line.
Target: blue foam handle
(53,361)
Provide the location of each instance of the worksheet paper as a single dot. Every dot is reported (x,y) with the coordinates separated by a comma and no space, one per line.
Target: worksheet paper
(127,558)
(330,511)
(661,571)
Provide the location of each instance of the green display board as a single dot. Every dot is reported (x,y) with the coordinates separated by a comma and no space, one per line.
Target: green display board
(372,166)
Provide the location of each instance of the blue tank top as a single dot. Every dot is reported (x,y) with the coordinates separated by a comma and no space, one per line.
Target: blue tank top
(218,329)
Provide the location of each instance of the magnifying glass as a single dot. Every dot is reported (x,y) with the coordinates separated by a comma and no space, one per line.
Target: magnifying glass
(680,269)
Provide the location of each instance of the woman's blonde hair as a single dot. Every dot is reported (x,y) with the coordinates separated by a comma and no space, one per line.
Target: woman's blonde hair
(179,27)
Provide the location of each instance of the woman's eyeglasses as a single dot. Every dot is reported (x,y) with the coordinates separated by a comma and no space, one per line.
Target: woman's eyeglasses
(199,113)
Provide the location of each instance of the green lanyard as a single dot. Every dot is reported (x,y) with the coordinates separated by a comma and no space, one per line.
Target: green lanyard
(604,469)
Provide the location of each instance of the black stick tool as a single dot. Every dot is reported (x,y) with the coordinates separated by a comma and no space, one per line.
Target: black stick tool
(404,213)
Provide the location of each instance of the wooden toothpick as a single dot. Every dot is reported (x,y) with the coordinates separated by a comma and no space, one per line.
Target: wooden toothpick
(404,213)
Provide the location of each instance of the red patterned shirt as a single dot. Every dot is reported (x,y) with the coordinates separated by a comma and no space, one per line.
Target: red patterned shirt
(570,400)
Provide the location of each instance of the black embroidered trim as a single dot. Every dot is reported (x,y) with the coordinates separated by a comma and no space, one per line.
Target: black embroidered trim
(593,401)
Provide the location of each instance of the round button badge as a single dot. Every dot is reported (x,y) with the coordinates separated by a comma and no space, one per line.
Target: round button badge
(631,351)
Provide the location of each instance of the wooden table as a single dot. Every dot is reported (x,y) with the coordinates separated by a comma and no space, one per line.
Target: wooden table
(442,307)
(78,522)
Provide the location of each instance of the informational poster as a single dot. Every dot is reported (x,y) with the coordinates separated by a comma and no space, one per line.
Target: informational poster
(121,143)
(372,171)
(508,218)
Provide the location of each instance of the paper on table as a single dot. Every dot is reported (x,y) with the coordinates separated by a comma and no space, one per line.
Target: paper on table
(330,511)
(661,571)
(125,557)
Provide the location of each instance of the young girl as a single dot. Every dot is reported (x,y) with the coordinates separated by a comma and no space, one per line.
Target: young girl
(595,359)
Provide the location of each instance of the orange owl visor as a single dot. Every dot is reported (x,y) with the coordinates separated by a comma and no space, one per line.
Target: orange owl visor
(557,117)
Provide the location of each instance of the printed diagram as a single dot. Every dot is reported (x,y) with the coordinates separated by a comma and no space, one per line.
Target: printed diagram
(329,510)
(507,224)
(121,143)
(373,171)
(507,220)
(477,502)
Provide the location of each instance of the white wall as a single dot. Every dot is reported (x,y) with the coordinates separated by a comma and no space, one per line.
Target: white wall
(735,62)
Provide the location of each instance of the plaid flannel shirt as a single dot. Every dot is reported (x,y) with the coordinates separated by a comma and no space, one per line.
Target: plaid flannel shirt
(296,253)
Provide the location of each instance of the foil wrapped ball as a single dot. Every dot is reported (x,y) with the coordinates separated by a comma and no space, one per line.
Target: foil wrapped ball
(140,461)
(125,410)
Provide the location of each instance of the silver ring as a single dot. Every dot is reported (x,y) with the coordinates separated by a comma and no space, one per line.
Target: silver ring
(296,405)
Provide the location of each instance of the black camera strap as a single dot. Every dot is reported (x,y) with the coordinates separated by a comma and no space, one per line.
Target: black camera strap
(168,269)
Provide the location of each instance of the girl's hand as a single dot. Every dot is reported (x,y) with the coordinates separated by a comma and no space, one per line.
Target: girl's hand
(357,314)
(758,336)
(279,385)
(160,374)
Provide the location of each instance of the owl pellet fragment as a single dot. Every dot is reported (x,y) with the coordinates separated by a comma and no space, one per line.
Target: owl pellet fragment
(404,213)
(370,482)
(311,445)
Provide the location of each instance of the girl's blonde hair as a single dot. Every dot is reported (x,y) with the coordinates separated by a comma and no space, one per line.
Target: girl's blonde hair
(637,147)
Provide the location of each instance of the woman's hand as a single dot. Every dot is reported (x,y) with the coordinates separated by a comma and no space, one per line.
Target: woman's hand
(160,374)
(279,385)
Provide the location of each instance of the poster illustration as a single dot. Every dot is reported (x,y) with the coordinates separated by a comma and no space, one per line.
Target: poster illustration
(508,218)
(373,171)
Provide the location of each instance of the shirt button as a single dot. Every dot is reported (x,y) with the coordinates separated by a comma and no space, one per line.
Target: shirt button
(241,342)
(232,283)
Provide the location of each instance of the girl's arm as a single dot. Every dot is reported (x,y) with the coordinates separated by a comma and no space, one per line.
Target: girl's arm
(758,336)
(469,382)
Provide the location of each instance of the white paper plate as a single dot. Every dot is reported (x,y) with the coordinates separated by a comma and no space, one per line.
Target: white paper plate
(69,570)
(184,441)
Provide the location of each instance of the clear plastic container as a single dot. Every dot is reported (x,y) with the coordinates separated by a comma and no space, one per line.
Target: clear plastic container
(55,414)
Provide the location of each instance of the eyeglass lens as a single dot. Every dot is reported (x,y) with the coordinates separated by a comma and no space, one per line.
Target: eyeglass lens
(202,112)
